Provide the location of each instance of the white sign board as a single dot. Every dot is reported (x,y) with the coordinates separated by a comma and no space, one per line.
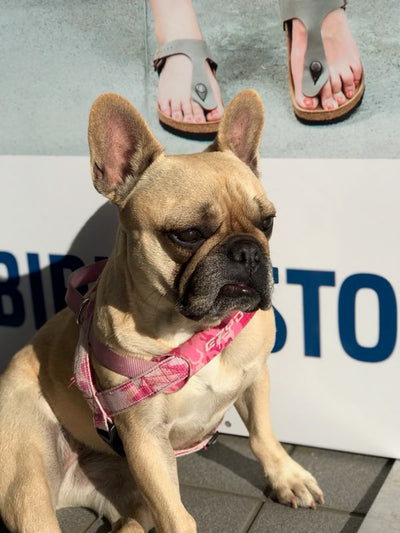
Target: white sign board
(336,366)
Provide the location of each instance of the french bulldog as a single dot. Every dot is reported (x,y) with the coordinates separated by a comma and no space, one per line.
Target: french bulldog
(191,250)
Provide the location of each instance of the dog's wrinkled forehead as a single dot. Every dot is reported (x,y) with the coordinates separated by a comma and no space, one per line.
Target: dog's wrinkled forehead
(130,168)
(189,190)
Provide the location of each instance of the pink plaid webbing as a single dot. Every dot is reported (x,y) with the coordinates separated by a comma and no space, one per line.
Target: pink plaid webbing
(167,373)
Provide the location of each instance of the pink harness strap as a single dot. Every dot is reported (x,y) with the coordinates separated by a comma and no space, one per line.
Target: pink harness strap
(167,373)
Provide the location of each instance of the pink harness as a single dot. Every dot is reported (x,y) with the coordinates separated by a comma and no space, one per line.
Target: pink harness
(167,373)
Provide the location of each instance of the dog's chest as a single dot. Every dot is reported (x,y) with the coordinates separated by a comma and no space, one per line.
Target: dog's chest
(213,389)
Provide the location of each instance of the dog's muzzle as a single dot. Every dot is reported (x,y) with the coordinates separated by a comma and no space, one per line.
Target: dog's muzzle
(236,274)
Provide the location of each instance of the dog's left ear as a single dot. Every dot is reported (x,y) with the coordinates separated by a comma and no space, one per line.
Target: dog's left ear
(121,146)
(241,128)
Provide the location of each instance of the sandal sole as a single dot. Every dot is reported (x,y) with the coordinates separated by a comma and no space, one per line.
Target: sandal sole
(320,116)
(189,130)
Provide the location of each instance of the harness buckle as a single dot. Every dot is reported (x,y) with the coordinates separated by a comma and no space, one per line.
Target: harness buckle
(212,441)
(112,438)
(84,303)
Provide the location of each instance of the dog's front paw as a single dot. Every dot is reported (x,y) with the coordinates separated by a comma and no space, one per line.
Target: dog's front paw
(293,485)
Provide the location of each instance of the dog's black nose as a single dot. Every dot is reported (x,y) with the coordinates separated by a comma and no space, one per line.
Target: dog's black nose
(246,251)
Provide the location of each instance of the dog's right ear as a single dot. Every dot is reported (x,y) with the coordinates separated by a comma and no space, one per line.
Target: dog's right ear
(241,128)
(121,146)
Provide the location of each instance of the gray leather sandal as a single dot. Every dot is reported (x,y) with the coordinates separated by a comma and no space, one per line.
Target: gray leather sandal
(197,51)
(316,72)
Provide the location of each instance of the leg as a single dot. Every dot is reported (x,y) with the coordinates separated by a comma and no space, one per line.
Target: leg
(292,484)
(153,466)
(26,505)
(128,526)
(30,476)
(345,70)
(176,19)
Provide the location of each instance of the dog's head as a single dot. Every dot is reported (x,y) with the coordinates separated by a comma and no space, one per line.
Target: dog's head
(194,229)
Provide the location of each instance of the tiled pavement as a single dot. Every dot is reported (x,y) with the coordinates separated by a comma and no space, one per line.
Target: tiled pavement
(224,489)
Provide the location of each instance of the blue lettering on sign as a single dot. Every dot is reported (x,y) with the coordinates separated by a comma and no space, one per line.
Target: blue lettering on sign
(311,281)
(387,317)
(37,292)
(13,308)
(9,291)
(281,332)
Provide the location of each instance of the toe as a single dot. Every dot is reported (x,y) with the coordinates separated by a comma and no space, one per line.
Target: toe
(336,88)
(328,102)
(348,83)
(187,112)
(357,70)
(198,113)
(340,98)
(176,111)
(214,115)
(165,107)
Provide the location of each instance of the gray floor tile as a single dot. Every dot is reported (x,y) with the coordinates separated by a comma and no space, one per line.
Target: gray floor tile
(280,519)
(71,520)
(350,482)
(99,526)
(216,512)
(75,519)
(228,465)
(384,514)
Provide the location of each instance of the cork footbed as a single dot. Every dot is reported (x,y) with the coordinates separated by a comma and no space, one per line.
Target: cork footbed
(320,115)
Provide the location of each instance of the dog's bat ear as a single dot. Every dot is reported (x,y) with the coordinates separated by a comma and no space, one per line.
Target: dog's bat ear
(241,128)
(121,146)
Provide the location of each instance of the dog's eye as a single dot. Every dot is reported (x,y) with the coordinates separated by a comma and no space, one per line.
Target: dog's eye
(188,237)
(267,224)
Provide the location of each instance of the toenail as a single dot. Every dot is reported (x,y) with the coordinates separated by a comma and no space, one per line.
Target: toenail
(307,102)
(350,94)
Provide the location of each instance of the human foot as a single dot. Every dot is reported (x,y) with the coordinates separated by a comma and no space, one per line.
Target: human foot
(174,92)
(177,20)
(345,70)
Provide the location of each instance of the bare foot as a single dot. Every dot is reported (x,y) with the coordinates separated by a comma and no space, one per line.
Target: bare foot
(345,70)
(174,90)
(177,19)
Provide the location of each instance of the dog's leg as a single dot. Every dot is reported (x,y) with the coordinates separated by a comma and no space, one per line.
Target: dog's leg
(153,466)
(128,526)
(29,471)
(26,505)
(292,484)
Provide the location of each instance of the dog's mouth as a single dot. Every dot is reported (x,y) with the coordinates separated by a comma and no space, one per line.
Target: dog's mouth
(237,290)
(230,297)
(220,285)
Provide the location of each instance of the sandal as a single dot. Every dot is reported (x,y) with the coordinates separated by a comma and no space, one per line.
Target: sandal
(316,72)
(197,51)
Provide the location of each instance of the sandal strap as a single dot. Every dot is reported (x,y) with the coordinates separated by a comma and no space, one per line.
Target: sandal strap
(198,52)
(312,13)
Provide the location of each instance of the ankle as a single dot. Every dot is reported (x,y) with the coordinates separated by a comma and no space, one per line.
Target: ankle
(175,19)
